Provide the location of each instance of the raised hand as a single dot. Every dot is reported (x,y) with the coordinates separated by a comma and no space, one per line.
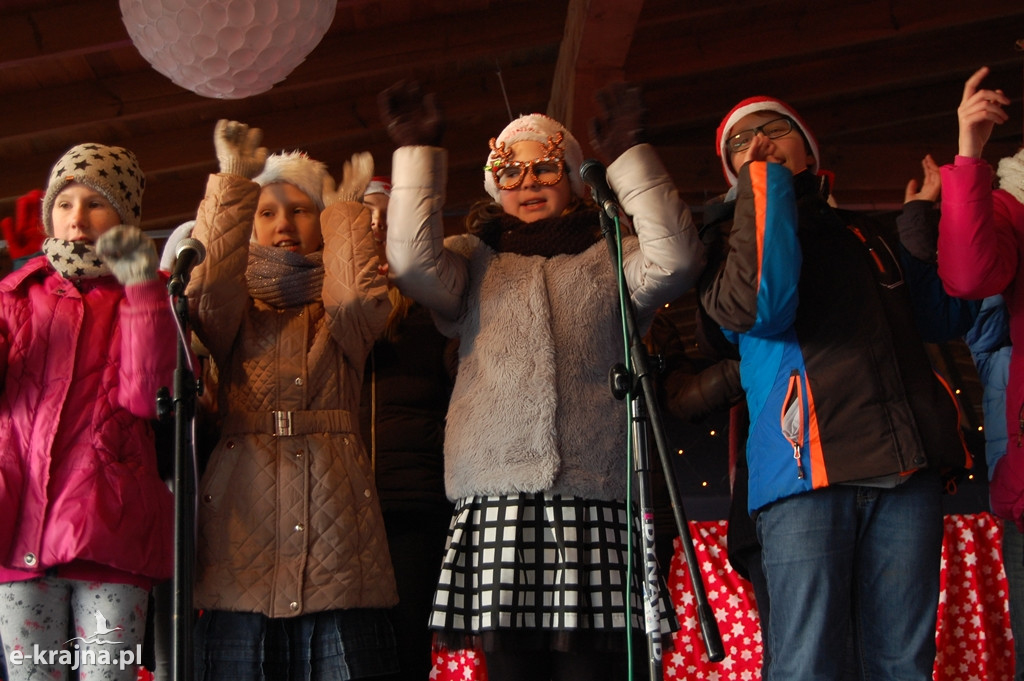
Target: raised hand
(979,111)
(355,176)
(930,188)
(130,254)
(238,148)
(620,121)
(411,117)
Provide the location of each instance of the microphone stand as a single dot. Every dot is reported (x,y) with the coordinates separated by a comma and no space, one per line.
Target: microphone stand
(185,390)
(644,411)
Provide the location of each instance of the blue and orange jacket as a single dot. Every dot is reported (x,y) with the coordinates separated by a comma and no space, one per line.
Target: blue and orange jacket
(825,307)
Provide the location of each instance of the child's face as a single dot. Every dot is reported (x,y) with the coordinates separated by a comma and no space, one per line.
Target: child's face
(80,213)
(287,218)
(378,205)
(532,201)
(788,150)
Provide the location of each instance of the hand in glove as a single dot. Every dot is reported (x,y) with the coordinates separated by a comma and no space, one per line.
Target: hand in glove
(130,254)
(411,118)
(238,148)
(355,177)
(620,123)
(24,233)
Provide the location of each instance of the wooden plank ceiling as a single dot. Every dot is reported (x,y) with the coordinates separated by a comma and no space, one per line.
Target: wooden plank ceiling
(878,81)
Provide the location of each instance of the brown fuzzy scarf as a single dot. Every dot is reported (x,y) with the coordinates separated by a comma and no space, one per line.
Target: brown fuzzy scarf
(565,234)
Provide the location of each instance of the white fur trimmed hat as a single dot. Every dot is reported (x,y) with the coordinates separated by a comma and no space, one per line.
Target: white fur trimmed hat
(298,169)
(753,105)
(538,128)
(112,171)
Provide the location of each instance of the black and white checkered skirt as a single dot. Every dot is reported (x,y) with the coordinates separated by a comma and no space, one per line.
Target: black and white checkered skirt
(541,562)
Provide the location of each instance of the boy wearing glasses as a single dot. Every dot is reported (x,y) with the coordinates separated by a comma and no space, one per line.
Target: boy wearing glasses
(849,426)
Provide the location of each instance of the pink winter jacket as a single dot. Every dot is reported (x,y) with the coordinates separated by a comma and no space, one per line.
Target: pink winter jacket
(80,370)
(981,241)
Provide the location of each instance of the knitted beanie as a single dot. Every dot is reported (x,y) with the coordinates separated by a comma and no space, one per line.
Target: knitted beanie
(538,128)
(112,171)
(378,185)
(297,169)
(753,105)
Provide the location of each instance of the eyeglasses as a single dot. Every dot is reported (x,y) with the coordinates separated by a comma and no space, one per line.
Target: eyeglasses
(773,129)
(546,171)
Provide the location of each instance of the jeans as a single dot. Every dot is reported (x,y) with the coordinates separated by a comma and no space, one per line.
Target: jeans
(1013,560)
(851,555)
(335,645)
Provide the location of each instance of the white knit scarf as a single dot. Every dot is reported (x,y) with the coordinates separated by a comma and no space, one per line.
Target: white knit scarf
(1011,175)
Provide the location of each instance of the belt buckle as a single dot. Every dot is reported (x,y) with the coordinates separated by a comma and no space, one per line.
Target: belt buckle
(282,423)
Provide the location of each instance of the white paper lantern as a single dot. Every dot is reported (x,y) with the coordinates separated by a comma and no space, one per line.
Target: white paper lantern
(226,49)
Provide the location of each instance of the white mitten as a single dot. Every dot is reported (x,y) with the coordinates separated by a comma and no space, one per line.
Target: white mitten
(238,148)
(130,254)
(355,177)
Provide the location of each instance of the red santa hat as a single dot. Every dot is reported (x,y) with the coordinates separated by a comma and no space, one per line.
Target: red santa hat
(753,105)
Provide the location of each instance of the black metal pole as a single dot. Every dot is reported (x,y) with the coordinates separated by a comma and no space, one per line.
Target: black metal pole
(641,376)
(185,390)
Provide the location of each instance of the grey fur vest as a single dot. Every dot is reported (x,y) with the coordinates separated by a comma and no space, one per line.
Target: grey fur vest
(531,409)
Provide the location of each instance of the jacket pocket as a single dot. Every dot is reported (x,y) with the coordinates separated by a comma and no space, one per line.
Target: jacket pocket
(792,419)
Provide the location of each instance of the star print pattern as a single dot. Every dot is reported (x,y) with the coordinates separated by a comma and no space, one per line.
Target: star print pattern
(112,171)
(973,638)
(74,259)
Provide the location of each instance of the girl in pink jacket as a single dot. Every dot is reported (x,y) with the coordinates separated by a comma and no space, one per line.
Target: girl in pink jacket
(86,340)
(981,242)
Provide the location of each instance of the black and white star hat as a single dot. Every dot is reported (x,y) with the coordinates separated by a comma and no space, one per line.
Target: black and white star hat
(112,171)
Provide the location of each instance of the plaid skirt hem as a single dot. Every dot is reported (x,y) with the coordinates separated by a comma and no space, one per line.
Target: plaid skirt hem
(541,562)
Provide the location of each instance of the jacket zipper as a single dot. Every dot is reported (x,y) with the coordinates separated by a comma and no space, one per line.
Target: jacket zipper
(792,420)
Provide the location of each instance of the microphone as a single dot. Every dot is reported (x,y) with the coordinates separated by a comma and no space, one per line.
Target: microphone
(188,253)
(593,174)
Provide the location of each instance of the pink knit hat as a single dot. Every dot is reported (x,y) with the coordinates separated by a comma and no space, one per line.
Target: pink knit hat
(753,105)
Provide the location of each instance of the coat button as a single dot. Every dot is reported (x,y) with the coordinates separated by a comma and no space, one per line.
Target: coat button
(298,454)
(230,444)
(298,381)
(207,498)
(293,605)
(30,559)
(299,527)
(367,493)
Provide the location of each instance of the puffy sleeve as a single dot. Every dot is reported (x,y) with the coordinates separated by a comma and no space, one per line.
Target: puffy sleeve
(977,248)
(218,293)
(148,346)
(755,289)
(355,293)
(420,265)
(671,256)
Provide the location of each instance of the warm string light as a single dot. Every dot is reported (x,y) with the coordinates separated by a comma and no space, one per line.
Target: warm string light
(229,49)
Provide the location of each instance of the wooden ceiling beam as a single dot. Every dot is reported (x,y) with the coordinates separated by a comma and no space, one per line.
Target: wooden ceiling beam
(597,39)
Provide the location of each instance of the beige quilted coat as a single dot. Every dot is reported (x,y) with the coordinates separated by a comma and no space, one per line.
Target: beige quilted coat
(289,521)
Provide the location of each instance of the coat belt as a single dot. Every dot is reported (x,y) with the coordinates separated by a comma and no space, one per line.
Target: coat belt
(285,423)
